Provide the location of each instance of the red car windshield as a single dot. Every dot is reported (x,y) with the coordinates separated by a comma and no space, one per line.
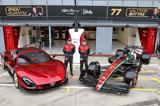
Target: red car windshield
(33,58)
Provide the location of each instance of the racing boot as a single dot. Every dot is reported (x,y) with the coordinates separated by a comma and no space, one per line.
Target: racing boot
(82,74)
(71,72)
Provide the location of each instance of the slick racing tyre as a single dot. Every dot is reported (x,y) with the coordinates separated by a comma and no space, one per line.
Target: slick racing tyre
(94,69)
(134,80)
(131,77)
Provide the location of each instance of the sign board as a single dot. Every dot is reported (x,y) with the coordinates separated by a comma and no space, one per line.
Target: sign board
(82,11)
(133,12)
(22,11)
(28,12)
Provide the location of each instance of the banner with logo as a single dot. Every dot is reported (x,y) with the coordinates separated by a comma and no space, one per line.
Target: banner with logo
(22,11)
(133,12)
(85,12)
(81,11)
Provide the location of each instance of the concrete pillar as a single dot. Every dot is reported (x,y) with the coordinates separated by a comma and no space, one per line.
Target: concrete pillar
(50,40)
(104,40)
(2,45)
(157,43)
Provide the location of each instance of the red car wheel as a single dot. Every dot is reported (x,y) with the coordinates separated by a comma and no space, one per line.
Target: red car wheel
(15,78)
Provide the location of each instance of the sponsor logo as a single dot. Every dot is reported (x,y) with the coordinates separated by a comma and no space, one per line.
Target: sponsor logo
(89,12)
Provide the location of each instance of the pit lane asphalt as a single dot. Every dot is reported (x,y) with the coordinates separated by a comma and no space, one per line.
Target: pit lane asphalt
(74,93)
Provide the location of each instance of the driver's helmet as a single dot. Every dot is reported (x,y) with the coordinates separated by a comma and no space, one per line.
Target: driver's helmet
(121,54)
(127,49)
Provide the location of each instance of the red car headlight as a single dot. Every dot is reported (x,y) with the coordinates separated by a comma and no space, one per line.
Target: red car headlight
(29,83)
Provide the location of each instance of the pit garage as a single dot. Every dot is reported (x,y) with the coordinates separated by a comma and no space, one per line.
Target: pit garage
(103,39)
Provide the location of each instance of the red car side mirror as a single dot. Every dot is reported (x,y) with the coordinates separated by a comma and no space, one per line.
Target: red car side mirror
(53,55)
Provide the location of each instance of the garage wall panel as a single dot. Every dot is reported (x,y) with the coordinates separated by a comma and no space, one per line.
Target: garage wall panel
(39,2)
(100,3)
(2,45)
(24,2)
(9,2)
(132,3)
(104,40)
(115,3)
(85,2)
(145,3)
(54,2)
(68,2)
(124,34)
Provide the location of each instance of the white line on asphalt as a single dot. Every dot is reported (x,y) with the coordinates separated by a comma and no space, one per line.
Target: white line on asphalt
(76,87)
(4,74)
(7,85)
(81,87)
(73,87)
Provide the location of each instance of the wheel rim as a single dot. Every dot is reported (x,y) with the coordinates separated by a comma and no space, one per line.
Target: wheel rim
(15,80)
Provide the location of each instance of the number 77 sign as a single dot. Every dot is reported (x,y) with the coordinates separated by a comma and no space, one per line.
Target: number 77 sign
(133,12)
(116,12)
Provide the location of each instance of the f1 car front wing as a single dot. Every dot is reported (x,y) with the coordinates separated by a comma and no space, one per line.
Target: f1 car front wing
(121,88)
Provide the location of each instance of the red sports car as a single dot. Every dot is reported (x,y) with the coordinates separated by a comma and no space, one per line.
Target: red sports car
(33,68)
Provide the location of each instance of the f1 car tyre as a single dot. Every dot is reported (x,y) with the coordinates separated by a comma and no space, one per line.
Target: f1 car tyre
(16,80)
(134,81)
(94,69)
(145,58)
(131,77)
